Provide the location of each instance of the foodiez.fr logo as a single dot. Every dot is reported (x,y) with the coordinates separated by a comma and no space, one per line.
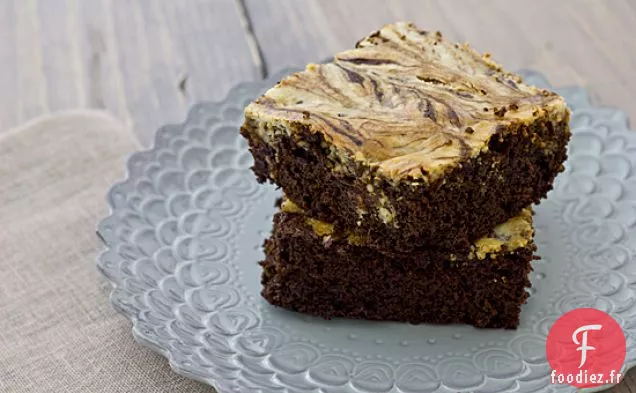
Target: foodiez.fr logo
(585,348)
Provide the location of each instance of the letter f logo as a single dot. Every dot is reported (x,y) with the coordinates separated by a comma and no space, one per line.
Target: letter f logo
(583,344)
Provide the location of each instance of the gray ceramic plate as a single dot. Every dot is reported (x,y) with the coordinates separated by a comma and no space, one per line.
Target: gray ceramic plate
(184,236)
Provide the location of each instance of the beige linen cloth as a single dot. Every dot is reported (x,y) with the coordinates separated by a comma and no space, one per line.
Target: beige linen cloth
(57,330)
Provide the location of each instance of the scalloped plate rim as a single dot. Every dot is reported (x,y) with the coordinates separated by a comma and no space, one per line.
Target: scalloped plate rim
(142,339)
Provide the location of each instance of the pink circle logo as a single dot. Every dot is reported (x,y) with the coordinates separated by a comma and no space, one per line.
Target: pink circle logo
(585,348)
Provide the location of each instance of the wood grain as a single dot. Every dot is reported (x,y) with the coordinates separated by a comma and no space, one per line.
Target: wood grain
(584,42)
(146,61)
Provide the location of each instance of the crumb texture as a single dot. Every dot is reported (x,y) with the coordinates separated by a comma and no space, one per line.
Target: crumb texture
(450,213)
(329,277)
(406,102)
(515,233)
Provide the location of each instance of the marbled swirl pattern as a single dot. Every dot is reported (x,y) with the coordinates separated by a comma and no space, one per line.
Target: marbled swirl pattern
(406,101)
(187,223)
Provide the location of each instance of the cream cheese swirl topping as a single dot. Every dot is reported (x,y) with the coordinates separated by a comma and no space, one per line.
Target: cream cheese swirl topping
(406,101)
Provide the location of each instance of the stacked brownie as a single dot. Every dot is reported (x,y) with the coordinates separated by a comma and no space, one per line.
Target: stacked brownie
(408,164)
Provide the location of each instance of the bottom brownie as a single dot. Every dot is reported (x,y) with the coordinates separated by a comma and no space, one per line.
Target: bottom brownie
(310,269)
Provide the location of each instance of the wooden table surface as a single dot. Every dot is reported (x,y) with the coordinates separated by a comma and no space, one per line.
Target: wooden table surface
(146,61)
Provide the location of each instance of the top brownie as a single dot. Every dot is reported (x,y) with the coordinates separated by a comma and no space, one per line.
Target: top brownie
(409,137)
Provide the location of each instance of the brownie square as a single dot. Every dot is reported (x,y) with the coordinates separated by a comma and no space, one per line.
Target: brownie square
(409,140)
(313,269)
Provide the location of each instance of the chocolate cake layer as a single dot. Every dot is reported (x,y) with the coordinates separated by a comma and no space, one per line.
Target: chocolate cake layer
(312,269)
(409,139)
